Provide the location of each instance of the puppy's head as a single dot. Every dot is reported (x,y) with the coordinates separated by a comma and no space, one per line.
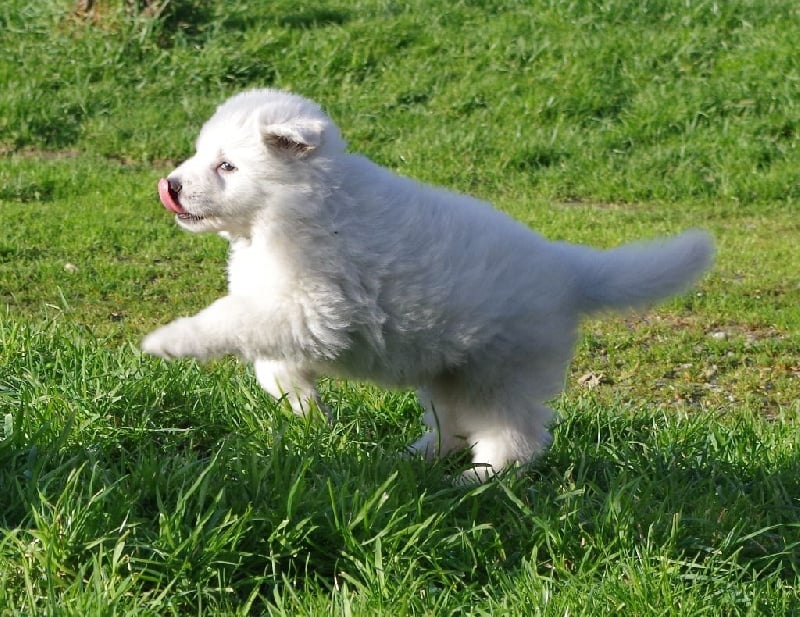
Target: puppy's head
(259,149)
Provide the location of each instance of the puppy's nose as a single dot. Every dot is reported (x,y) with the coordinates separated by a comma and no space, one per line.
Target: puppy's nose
(175,186)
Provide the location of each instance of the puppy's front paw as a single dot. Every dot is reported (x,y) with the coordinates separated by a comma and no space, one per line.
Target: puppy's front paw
(175,340)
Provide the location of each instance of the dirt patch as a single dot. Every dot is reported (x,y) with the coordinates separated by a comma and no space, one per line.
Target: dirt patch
(93,10)
(577,202)
(29,152)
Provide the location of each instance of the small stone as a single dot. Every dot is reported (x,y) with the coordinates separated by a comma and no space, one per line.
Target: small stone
(591,380)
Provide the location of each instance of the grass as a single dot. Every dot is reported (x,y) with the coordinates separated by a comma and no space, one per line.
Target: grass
(129,486)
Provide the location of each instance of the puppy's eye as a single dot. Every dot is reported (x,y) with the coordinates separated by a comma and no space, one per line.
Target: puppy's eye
(226,166)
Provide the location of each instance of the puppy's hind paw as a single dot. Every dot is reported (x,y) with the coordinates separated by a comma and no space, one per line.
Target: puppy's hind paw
(426,447)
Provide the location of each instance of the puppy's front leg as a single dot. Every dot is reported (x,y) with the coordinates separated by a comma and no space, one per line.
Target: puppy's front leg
(222,328)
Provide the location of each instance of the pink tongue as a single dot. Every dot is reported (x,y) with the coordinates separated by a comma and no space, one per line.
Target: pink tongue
(167,199)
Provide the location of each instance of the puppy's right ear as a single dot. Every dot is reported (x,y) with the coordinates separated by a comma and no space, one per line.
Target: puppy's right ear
(296,139)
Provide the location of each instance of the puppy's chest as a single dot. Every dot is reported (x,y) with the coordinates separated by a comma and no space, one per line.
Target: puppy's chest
(254,270)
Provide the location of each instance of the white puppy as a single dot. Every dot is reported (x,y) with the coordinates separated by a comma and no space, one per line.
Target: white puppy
(339,267)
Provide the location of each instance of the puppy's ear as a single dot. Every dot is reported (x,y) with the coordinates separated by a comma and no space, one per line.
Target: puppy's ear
(297,139)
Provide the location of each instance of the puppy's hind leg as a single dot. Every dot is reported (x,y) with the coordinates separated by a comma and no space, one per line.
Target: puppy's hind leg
(442,436)
(513,440)
(295,385)
(506,419)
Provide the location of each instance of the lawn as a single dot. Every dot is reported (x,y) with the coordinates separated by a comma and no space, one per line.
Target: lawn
(131,486)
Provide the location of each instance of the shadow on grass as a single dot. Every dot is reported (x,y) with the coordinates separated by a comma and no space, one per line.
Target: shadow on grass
(314,17)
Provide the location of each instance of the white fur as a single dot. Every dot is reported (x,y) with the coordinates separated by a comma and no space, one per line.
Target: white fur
(339,267)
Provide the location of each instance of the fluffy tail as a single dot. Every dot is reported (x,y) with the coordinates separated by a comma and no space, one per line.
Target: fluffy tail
(638,274)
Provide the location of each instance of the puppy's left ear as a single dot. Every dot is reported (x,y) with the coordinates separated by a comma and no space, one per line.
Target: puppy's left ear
(297,139)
